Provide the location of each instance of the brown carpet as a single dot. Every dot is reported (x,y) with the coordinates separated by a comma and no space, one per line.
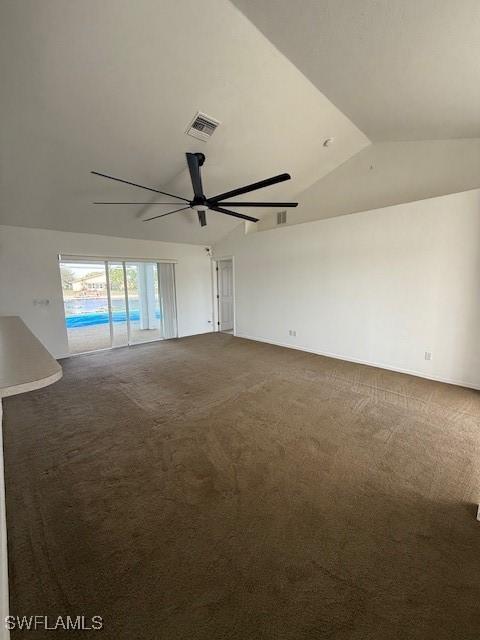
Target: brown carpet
(213,487)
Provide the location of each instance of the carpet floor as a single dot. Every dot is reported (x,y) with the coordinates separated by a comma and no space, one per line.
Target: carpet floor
(217,488)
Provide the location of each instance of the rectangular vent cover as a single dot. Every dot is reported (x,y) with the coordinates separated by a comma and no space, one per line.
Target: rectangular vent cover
(281,217)
(202,126)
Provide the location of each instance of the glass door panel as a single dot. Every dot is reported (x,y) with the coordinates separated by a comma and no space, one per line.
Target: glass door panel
(118,304)
(85,300)
(143,302)
(114,303)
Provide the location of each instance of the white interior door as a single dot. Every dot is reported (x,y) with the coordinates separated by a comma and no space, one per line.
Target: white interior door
(225,294)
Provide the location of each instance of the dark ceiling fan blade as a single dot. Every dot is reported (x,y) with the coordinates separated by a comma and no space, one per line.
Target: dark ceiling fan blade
(193,162)
(232,213)
(250,187)
(202,218)
(258,204)
(149,203)
(164,214)
(140,186)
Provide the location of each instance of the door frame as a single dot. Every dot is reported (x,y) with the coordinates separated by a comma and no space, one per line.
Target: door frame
(123,262)
(215,298)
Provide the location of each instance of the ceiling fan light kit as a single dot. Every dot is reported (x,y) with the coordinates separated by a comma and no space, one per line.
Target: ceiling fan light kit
(200,203)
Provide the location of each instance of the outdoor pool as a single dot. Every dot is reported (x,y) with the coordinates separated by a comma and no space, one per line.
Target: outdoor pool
(91,311)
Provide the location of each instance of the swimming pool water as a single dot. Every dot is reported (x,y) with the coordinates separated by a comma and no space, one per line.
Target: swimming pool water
(92,311)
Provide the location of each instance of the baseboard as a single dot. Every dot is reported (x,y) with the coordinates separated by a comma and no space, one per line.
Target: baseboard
(336,356)
(125,346)
(197,333)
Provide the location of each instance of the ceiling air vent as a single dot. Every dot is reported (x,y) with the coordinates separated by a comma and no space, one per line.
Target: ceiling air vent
(281,217)
(202,126)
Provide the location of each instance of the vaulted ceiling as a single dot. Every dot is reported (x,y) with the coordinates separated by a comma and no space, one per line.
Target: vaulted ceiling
(400,69)
(111,85)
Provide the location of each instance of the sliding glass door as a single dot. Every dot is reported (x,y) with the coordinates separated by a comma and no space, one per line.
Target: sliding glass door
(115,303)
(85,300)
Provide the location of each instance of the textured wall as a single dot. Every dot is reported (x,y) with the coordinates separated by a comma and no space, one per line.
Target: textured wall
(379,287)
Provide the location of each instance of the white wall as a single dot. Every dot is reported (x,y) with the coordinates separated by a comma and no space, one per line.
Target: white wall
(29,270)
(379,287)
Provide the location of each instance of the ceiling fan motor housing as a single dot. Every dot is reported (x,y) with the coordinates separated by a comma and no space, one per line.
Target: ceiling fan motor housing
(199,206)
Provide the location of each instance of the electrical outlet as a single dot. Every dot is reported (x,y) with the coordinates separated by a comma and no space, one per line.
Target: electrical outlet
(292,332)
(428,355)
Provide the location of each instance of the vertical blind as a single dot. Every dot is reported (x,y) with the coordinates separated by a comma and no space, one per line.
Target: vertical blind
(166,279)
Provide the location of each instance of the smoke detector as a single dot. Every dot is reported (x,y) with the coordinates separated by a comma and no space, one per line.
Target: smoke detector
(202,126)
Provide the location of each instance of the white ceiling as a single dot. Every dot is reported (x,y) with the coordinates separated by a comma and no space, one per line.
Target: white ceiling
(399,69)
(388,173)
(110,85)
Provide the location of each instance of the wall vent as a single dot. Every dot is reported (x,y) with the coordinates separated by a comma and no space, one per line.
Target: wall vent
(281,217)
(202,126)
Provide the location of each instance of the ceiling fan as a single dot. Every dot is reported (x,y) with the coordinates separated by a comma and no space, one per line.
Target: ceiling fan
(200,203)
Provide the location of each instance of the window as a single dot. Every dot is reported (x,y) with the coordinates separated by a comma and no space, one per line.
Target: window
(113,303)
